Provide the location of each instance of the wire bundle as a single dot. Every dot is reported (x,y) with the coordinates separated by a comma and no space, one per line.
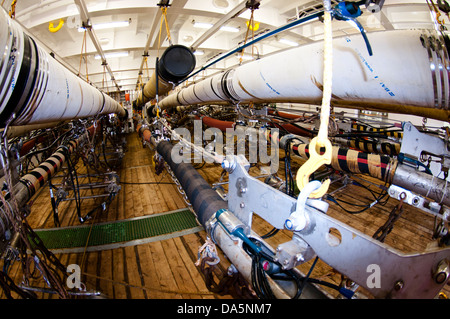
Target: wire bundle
(377,196)
(259,276)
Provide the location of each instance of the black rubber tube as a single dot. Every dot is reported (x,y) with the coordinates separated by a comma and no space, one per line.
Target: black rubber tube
(176,63)
(205,201)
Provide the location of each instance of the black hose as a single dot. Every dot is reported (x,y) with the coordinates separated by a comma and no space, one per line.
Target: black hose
(205,201)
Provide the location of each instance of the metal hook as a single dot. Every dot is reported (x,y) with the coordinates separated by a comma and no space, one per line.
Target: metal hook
(314,162)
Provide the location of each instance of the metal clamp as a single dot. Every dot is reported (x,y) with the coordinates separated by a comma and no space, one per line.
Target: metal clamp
(299,219)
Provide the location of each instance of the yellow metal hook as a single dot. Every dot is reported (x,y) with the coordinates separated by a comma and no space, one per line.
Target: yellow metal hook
(54,29)
(314,162)
(253,27)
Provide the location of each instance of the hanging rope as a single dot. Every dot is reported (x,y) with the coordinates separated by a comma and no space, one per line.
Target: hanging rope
(164,18)
(84,54)
(316,160)
(250,26)
(231,282)
(146,68)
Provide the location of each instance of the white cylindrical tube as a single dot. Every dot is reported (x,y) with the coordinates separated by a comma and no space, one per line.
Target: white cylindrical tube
(397,73)
(35,88)
(407,73)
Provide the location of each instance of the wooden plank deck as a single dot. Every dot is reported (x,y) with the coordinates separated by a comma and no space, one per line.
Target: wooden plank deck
(165,269)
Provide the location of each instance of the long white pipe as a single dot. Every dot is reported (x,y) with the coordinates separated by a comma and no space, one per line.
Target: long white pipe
(35,88)
(405,74)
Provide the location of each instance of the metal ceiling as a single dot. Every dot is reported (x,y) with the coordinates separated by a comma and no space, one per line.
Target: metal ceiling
(55,24)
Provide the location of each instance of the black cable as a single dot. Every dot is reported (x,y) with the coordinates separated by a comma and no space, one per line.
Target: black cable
(101,205)
(380,195)
(76,189)
(364,134)
(310,280)
(259,279)
(290,185)
(271,233)
(305,280)
(104,141)
(288,275)
(48,147)
(365,207)
(200,166)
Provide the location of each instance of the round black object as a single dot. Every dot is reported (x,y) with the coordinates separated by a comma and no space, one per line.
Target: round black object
(176,63)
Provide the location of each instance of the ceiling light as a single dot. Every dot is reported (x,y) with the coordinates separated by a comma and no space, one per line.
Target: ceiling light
(104,41)
(113,55)
(288,42)
(220,3)
(188,38)
(108,25)
(229,29)
(202,25)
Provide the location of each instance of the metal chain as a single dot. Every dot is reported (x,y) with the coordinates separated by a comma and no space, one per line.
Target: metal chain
(394,215)
(177,183)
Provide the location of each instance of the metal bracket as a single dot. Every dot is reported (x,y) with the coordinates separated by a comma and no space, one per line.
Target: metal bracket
(356,255)
(349,251)
(248,195)
(415,200)
(415,143)
(294,252)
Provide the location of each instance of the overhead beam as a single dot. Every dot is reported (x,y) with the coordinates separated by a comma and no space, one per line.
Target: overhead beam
(156,19)
(236,11)
(85,19)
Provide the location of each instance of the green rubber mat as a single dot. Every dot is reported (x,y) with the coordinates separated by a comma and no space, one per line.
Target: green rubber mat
(118,231)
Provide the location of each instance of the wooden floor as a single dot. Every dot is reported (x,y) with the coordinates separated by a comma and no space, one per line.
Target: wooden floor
(166,269)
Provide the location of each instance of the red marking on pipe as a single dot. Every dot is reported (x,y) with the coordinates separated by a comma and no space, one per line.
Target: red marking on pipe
(93,128)
(285,115)
(147,135)
(295,129)
(27,146)
(221,125)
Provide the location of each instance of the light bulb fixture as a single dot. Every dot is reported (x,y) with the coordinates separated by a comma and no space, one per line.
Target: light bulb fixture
(229,29)
(202,25)
(288,42)
(108,25)
(113,55)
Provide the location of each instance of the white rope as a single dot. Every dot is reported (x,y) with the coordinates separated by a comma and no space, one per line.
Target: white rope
(208,250)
